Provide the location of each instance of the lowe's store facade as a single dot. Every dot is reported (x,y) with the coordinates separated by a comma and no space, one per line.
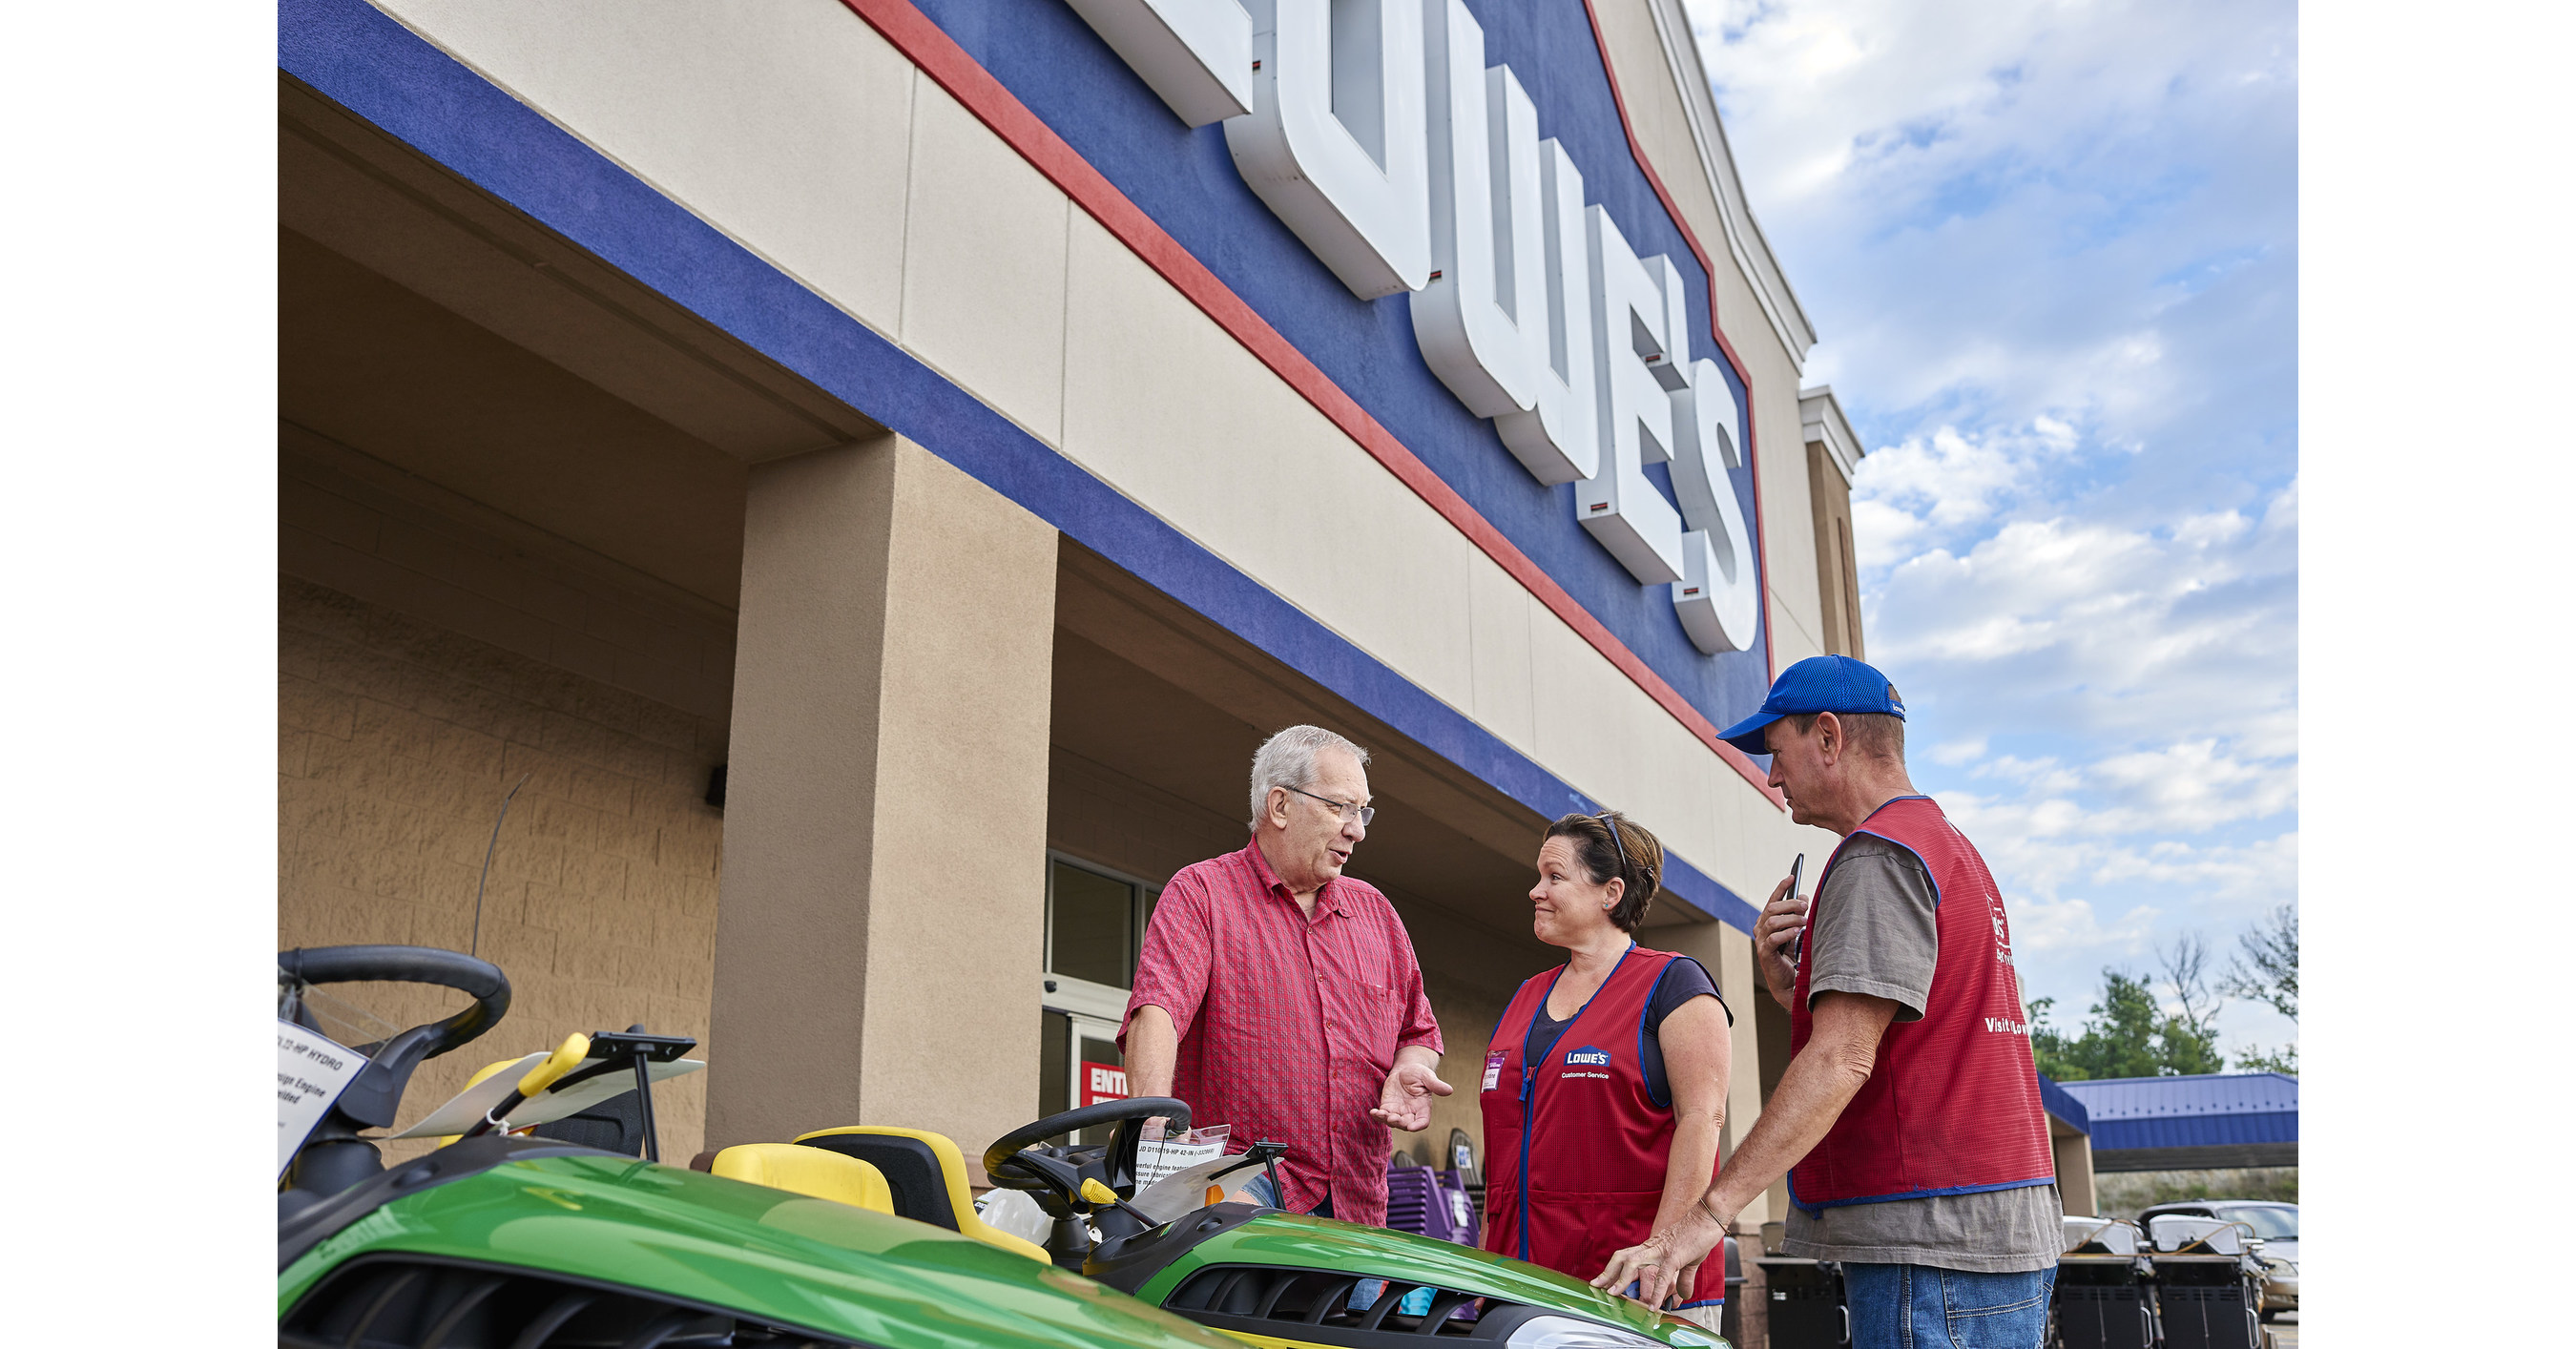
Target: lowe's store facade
(867,473)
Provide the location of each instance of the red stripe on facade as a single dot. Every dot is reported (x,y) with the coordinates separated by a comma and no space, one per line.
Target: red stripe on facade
(929,47)
(1752,460)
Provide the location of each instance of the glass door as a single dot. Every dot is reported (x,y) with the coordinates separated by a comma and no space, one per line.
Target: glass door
(1095,927)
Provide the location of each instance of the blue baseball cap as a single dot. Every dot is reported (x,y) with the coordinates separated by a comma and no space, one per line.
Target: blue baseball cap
(1836,684)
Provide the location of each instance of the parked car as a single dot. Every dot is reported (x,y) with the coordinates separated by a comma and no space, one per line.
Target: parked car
(2273,1221)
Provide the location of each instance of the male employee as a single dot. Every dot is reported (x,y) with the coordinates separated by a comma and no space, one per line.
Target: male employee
(1278,996)
(1909,1118)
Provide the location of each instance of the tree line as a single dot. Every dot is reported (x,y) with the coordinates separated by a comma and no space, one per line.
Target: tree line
(2130,1033)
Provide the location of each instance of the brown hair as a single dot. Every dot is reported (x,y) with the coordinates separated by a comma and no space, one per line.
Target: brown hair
(1634,857)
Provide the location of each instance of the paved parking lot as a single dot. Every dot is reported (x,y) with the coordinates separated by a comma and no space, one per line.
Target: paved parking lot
(2285,1330)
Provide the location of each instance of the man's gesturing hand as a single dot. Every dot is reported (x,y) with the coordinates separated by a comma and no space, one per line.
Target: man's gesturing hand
(1667,1260)
(1406,1101)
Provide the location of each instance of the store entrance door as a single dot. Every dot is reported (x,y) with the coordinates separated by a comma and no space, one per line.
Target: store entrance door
(1095,926)
(1082,1065)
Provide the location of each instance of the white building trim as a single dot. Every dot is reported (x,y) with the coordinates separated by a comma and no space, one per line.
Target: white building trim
(1744,240)
(1820,414)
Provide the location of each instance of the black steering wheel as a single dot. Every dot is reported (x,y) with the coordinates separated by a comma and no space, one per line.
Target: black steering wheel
(480,980)
(1016,1162)
(335,1158)
(1059,1175)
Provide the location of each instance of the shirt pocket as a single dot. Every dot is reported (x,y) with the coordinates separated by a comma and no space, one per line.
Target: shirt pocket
(1380,1018)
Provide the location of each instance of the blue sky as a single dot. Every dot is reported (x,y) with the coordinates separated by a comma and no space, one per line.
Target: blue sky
(2051,250)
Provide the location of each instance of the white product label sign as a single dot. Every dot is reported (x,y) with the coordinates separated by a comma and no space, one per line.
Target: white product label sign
(312,1071)
(1160,1157)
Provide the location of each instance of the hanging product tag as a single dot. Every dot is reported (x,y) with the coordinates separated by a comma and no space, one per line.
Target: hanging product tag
(1493,1069)
(312,1071)
(1157,1158)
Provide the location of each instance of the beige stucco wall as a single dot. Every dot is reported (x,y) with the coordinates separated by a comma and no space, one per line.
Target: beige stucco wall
(793,127)
(397,738)
(886,802)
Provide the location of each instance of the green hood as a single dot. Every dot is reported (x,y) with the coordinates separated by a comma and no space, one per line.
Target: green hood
(753,1250)
(1290,1239)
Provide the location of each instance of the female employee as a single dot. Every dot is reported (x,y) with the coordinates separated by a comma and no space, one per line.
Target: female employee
(1605,1083)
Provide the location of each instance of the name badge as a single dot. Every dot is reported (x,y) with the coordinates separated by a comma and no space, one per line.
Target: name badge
(1493,1069)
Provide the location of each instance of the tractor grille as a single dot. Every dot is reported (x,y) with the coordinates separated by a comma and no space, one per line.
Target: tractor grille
(1327,1307)
(407,1302)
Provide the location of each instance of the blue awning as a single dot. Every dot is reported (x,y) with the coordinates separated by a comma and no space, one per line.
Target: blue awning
(2213,1120)
(2062,1105)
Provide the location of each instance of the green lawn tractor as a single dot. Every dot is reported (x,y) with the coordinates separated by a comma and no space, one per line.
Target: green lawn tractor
(847,1236)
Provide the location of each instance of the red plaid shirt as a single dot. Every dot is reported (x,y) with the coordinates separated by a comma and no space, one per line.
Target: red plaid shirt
(1288,1025)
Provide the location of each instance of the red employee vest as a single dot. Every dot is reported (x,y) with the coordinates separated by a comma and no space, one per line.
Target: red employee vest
(1952,1105)
(1575,1148)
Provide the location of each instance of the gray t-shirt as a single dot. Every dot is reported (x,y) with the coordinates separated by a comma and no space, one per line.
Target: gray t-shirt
(1875,933)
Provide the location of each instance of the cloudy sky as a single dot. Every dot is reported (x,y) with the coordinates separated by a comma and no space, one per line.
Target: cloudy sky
(2051,249)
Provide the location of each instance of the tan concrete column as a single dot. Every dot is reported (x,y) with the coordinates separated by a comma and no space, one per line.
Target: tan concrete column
(1771,1028)
(878,930)
(1728,954)
(2074,1154)
(1742,984)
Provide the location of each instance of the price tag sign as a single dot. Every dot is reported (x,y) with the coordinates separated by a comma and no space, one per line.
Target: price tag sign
(312,1071)
(1160,1157)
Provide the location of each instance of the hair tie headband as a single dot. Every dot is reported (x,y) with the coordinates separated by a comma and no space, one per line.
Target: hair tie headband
(1613,827)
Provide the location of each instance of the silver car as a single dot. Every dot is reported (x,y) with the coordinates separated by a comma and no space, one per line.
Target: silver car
(2273,1221)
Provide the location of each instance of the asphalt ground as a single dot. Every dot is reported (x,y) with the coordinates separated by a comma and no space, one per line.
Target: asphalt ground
(2285,1330)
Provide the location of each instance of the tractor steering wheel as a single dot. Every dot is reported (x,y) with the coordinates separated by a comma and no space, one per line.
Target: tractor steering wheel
(480,980)
(334,1156)
(1056,1175)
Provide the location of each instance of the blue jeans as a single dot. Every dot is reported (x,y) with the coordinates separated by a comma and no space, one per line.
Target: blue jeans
(1920,1307)
(1259,1188)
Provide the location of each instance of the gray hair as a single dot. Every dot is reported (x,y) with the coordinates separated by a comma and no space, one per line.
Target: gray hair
(1288,760)
(1871,735)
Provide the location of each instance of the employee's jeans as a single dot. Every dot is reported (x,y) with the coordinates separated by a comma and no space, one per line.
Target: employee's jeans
(1921,1307)
(1259,1188)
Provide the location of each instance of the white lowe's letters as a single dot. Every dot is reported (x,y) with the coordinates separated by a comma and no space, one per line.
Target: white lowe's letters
(1481,321)
(1717,596)
(1374,130)
(1335,140)
(1618,505)
(1560,439)
(1197,54)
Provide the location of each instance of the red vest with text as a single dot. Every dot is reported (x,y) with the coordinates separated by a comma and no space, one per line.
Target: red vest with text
(1952,1104)
(1575,1147)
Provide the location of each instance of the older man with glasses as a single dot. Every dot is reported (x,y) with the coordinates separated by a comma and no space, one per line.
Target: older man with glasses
(1279,996)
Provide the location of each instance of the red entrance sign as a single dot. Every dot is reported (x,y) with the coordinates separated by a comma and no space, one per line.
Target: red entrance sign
(1103,1082)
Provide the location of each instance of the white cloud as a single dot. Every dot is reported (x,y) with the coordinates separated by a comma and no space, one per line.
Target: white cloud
(2164,636)
(2051,247)
(2189,788)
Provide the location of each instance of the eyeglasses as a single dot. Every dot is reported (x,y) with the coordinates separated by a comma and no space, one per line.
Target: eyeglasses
(1343,809)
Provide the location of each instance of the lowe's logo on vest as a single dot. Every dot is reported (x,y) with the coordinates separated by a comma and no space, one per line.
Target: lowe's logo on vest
(1586,1057)
(1376,132)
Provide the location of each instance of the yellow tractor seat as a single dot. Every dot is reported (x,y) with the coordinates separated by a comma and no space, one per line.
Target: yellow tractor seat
(807,1171)
(927,1175)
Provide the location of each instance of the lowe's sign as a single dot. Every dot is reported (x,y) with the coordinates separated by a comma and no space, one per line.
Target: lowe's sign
(1376,132)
